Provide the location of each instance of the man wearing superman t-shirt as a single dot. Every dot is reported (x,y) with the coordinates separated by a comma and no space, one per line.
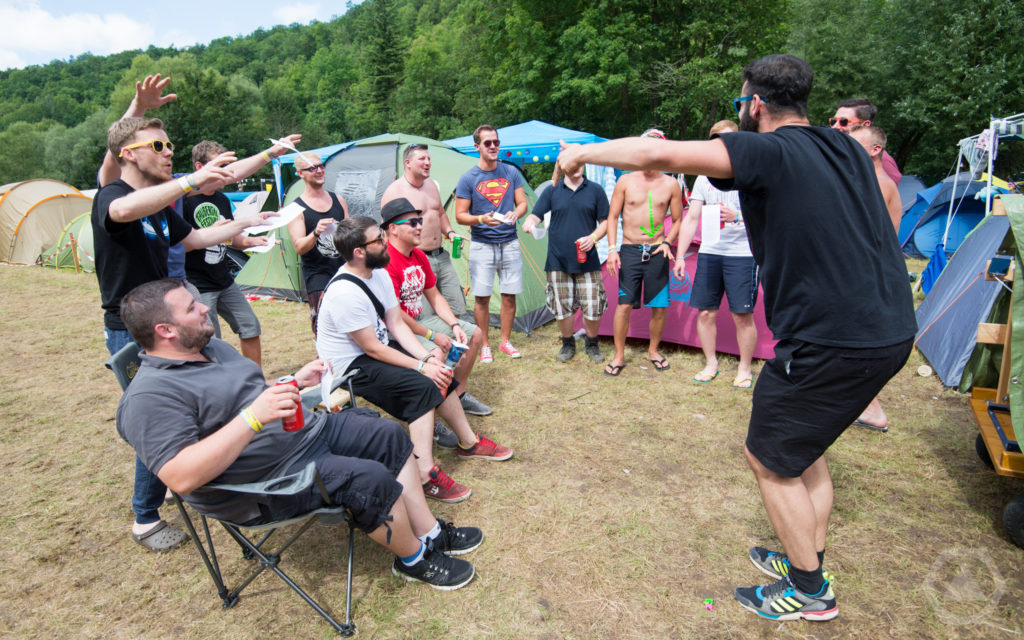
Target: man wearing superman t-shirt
(490,199)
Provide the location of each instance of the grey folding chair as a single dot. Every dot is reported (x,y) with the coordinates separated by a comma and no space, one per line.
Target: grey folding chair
(125,364)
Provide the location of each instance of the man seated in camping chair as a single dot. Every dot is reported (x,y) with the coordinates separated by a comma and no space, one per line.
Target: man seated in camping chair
(197,412)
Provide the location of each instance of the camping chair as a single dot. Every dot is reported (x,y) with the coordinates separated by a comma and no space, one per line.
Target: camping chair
(125,364)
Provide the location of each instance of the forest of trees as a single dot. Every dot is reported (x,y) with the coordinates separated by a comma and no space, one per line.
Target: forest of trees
(438,68)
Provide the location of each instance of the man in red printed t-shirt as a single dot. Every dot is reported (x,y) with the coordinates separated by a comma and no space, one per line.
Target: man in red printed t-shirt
(415,287)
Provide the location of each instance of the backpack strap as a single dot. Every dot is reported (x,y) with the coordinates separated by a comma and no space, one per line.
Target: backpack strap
(362,285)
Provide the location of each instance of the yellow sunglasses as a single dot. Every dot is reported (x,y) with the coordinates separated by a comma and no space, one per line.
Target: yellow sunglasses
(156,145)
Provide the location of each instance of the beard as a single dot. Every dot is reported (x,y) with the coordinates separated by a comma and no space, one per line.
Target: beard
(195,338)
(746,122)
(377,260)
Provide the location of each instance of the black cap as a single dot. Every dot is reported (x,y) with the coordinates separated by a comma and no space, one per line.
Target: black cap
(396,209)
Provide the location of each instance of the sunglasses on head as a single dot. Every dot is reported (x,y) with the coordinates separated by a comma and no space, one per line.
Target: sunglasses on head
(412,222)
(156,145)
(490,143)
(843,122)
(314,168)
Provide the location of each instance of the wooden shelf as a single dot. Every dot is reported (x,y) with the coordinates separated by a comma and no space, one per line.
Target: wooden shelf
(1006,463)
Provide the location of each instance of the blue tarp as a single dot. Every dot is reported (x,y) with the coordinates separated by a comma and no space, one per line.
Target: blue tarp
(947,320)
(528,142)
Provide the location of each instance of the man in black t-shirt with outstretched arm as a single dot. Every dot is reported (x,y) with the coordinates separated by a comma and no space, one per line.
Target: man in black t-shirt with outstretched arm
(133,226)
(845,324)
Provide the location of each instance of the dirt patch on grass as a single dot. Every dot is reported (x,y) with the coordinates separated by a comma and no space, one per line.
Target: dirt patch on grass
(627,505)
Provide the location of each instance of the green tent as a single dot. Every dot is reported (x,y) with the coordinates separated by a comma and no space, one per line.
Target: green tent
(73,250)
(360,172)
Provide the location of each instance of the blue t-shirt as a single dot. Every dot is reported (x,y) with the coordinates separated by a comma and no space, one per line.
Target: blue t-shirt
(489,191)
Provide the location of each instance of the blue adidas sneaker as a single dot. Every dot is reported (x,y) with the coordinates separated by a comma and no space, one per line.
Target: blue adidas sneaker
(782,601)
(775,564)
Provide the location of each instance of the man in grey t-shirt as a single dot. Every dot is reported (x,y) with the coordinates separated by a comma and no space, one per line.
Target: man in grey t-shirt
(197,411)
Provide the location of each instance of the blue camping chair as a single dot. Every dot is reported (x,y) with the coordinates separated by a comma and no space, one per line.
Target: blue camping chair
(125,364)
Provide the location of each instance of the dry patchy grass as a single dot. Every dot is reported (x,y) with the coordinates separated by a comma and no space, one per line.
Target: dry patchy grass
(627,504)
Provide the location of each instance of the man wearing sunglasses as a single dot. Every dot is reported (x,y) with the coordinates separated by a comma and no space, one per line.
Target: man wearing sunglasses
(860,112)
(416,288)
(835,296)
(133,228)
(398,374)
(490,199)
(312,232)
(422,193)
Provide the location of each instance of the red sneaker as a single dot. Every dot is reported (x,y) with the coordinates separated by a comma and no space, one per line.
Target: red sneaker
(442,487)
(487,449)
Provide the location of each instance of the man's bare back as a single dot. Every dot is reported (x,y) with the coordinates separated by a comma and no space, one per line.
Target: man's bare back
(425,197)
(891,193)
(643,198)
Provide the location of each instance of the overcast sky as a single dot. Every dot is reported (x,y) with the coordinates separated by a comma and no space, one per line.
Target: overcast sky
(38,31)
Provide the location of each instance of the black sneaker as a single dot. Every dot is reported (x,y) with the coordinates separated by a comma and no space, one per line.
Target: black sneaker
(568,350)
(592,350)
(444,437)
(455,541)
(437,570)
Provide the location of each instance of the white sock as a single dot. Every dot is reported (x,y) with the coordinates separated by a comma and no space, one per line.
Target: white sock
(433,533)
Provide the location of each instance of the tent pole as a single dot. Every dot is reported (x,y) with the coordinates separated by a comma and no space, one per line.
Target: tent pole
(956,179)
(992,146)
(74,253)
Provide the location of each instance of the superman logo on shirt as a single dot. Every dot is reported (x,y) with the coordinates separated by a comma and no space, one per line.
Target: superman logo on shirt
(493,189)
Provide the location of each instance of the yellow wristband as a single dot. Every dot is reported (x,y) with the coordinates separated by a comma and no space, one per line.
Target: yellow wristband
(594,238)
(251,419)
(183,183)
(479,219)
(430,334)
(265,156)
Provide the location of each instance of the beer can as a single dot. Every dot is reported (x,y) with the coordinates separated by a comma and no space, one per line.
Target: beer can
(457,247)
(581,255)
(295,422)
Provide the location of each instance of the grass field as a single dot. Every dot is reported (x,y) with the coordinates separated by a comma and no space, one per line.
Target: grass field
(628,503)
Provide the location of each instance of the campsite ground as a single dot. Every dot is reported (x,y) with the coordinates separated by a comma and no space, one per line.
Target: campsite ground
(628,503)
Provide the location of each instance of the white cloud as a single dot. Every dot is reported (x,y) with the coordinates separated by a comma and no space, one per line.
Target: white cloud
(30,30)
(303,13)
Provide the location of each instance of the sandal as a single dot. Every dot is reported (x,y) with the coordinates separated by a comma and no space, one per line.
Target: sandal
(614,370)
(162,537)
(704,378)
(661,365)
(745,382)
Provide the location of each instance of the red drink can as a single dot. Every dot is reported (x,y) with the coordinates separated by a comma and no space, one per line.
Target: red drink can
(581,255)
(295,422)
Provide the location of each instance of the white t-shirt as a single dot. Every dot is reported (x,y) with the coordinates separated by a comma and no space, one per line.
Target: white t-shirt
(733,237)
(345,308)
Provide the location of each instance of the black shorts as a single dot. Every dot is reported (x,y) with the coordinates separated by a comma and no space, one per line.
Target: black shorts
(404,393)
(809,394)
(734,276)
(634,272)
(359,455)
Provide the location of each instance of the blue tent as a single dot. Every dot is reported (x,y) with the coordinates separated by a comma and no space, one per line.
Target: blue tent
(924,223)
(528,142)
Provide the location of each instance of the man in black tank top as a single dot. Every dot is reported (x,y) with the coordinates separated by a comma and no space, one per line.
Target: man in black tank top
(311,233)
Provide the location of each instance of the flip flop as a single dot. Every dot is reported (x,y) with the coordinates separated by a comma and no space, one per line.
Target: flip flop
(661,365)
(704,378)
(867,425)
(162,537)
(613,370)
(746,382)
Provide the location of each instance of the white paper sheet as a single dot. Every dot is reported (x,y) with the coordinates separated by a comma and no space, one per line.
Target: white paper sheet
(710,223)
(283,217)
(266,247)
(252,205)
(326,382)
